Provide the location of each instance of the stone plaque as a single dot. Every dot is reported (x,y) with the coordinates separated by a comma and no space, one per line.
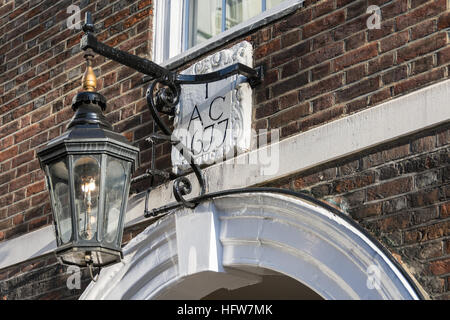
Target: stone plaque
(214,120)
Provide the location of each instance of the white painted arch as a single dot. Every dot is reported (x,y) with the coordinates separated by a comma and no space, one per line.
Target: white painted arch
(231,241)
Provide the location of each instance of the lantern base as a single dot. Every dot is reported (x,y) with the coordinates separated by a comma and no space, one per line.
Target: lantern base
(83,256)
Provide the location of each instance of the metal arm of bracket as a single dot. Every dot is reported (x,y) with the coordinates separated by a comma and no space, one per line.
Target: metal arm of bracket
(155,71)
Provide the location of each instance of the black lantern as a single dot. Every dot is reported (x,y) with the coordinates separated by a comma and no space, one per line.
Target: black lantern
(88,168)
(88,172)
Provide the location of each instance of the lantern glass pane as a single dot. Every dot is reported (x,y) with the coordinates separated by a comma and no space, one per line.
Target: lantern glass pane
(116,177)
(86,172)
(59,184)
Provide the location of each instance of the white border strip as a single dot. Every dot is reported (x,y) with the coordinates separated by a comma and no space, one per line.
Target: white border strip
(403,116)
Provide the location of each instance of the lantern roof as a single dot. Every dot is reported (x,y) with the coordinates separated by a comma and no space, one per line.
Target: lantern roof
(89,130)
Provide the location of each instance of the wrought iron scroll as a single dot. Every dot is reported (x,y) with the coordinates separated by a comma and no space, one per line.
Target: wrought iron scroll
(164,100)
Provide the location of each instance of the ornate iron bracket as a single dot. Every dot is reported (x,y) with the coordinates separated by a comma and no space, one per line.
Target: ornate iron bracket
(163,95)
(155,71)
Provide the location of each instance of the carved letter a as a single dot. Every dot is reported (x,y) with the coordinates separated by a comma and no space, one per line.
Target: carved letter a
(193,118)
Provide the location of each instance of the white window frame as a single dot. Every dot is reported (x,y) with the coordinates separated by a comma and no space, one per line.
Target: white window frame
(170,30)
(168,37)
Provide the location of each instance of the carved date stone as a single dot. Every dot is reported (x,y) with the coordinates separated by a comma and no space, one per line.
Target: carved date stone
(214,120)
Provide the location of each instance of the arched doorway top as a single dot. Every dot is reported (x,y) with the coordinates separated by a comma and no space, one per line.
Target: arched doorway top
(231,241)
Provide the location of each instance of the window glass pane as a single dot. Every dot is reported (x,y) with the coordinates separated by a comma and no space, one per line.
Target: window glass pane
(59,185)
(206,20)
(240,10)
(86,181)
(115,192)
(273,3)
(205,17)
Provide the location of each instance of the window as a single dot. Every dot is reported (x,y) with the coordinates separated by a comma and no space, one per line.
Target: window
(184,25)
(207,18)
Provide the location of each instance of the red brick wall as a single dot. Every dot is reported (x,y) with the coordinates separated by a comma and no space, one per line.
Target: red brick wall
(41,66)
(40,279)
(321,63)
(41,71)
(400,193)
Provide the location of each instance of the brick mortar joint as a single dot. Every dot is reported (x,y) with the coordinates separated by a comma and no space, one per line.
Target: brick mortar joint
(403,212)
(374,168)
(376,201)
(390,162)
(47,257)
(429,242)
(29,208)
(436,259)
(25,221)
(425,225)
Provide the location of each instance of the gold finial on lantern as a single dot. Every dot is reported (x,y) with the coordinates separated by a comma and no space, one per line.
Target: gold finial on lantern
(89,79)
